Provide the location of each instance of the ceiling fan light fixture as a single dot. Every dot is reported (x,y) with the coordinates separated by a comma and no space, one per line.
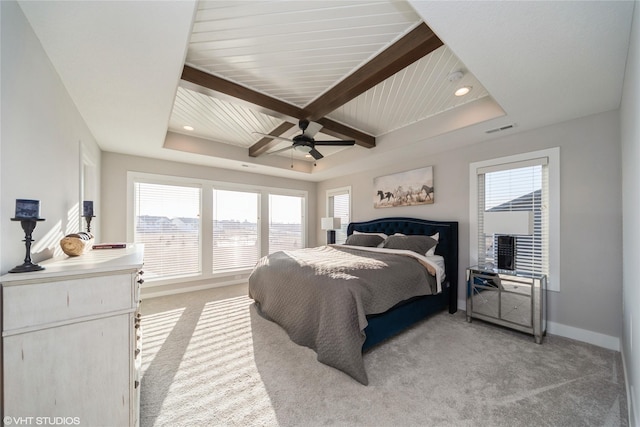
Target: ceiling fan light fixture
(303,148)
(463,91)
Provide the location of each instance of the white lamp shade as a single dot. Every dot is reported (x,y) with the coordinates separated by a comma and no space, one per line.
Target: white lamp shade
(331,223)
(511,222)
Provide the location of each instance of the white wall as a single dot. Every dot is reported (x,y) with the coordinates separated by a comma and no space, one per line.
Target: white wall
(630,135)
(588,304)
(41,136)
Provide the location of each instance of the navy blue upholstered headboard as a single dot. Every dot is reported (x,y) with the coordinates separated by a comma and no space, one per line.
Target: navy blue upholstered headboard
(447,243)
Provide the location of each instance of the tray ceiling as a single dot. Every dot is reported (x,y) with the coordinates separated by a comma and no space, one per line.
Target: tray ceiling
(295,52)
(130,67)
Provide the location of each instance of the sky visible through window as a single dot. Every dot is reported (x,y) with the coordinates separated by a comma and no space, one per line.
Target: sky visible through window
(234,206)
(167,200)
(285,209)
(181,202)
(507,185)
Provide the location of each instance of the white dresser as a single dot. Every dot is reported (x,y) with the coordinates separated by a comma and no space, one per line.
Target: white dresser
(71,342)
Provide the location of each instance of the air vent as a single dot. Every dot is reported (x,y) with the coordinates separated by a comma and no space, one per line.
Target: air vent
(501,128)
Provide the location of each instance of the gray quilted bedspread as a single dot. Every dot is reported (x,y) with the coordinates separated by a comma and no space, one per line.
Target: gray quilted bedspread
(321,296)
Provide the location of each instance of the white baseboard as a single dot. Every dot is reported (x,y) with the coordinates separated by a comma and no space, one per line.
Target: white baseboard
(595,338)
(173,290)
(630,394)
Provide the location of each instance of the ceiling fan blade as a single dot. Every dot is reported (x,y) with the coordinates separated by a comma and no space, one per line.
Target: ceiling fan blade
(316,154)
(280,150)
(346,142)
(312,129)
(273,137)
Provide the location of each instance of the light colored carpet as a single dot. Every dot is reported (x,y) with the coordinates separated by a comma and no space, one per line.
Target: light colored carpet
(210,360)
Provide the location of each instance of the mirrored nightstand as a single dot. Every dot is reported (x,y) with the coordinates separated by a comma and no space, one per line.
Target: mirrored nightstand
(508,298)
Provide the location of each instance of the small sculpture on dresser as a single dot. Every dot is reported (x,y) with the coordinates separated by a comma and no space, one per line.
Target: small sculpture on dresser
(76,244)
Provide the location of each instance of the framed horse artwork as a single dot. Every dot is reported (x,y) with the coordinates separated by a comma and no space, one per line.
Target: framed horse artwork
(414,187)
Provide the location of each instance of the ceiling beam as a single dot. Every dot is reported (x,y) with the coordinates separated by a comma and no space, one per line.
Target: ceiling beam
(272,106)
(338,130)
(234,90)
(265,144)
(417,43)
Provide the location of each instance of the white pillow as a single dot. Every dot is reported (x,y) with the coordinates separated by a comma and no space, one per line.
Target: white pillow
(432,251)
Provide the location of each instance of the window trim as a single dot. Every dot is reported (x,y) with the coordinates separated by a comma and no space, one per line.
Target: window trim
(206,220)
(133,177)
(553,154)
(131,223)
(226,272)
(336,192)
(303,215)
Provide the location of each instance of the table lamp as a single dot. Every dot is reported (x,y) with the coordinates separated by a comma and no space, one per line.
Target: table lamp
(331,224)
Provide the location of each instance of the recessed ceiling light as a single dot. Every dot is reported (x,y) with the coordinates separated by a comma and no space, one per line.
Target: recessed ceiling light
(462,91)
(187,127)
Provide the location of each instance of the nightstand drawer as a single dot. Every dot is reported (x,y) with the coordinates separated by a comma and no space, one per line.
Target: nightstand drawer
(516,308)
(507,298)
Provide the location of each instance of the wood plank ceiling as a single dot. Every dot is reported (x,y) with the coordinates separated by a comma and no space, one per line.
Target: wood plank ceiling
(361,69)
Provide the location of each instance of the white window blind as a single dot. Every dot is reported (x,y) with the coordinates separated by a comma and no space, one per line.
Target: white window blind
(519,186)
(236,243)
(167,221)
(339,205)
(285,222)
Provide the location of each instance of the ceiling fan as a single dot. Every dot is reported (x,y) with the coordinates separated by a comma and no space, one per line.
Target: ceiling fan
(305,142)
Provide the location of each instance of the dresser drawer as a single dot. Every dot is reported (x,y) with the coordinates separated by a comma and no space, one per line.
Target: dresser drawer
(31,306)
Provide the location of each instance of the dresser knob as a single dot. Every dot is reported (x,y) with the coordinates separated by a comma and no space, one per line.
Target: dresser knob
(140,281)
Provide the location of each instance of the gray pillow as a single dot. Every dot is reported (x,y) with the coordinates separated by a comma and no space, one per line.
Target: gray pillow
(369,240)
(417,244)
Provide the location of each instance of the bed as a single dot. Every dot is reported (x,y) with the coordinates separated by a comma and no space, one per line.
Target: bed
(341,300)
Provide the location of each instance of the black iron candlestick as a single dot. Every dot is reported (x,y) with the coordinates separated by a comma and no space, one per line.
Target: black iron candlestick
(28,225)
(88,219)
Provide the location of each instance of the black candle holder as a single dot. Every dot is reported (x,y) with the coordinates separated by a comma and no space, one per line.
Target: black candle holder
(28,225)
(88,219)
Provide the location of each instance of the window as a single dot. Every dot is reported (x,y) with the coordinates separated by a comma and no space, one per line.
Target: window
(527,182)
(195,229)
(339,205)
(235,230)
(285,222)
(167,221)
(517,188)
